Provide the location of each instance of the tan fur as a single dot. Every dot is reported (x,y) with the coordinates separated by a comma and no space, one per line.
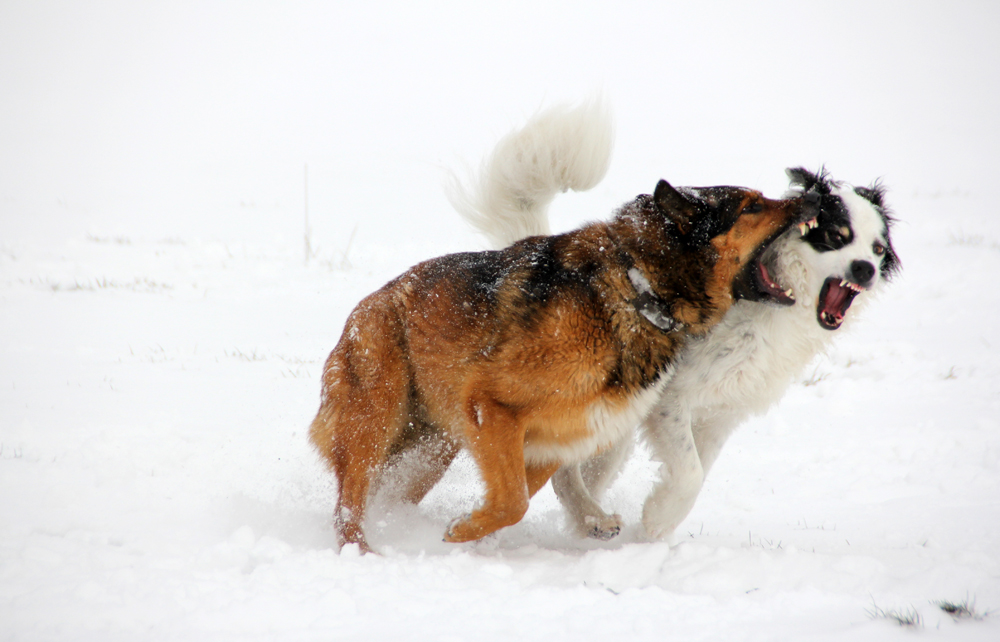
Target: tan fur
(529,357)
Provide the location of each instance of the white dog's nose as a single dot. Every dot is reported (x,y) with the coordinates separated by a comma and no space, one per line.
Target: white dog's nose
(862,272)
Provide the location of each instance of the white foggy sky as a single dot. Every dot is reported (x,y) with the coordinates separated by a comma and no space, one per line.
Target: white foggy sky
(113,113)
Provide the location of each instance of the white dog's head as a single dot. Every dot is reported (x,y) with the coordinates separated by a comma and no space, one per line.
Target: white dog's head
(846,252)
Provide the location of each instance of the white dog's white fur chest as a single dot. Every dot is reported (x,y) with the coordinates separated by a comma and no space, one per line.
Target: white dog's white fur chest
(745,365)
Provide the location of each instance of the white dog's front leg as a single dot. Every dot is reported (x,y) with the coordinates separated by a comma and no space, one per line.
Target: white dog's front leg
(668,430)
(580,486)
(586,515)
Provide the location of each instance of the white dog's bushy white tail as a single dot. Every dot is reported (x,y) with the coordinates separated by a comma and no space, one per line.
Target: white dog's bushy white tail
(559,149)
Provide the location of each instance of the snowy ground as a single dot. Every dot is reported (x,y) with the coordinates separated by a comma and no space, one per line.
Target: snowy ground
(161,338)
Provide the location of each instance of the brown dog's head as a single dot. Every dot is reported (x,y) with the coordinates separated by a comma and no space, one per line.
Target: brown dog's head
(738,224)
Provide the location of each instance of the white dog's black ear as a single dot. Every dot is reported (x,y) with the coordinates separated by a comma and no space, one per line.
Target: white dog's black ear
(800,176)
(814,201)
(674,205)
(874,194)
(805,180)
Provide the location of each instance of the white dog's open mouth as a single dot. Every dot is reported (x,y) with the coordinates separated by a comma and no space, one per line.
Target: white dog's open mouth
(834,299)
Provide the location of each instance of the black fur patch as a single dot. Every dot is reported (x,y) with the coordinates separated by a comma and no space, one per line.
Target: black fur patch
(834,230)
(542,273)
(480,274)
(716,211)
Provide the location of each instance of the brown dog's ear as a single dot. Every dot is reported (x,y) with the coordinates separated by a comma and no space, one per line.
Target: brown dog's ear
(674,205)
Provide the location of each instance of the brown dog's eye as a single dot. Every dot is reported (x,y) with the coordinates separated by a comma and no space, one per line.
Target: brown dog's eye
(753,208)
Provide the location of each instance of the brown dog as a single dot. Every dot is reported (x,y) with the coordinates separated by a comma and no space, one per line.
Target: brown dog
(537,355)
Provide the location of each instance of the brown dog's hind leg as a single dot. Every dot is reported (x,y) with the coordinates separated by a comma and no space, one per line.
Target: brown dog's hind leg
(363,410)
(433,460)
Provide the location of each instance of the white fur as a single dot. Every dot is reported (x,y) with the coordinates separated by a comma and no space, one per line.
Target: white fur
(741,368)
(558,149)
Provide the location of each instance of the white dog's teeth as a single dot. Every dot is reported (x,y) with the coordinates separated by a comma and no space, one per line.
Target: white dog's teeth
(803,228)
(854,286)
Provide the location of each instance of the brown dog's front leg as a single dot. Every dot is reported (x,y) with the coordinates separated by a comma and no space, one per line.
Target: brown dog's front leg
(497,444)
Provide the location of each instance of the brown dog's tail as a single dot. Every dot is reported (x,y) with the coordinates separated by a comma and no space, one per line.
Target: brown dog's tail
(559,149)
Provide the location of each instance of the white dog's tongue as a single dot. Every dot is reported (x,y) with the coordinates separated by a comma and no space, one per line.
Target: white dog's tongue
(834,301)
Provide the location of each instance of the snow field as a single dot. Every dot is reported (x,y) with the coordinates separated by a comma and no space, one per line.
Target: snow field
(158,481)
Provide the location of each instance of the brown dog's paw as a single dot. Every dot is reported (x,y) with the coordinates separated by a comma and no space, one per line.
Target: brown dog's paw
(356,549)
(604,528)
(462,530)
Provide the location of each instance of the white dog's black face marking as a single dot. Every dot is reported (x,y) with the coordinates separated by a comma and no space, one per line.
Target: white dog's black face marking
(847,248)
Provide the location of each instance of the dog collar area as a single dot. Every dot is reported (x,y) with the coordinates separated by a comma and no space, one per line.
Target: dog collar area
(650,306)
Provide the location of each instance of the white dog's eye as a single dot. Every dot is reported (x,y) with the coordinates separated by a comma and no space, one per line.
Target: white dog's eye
(878,249)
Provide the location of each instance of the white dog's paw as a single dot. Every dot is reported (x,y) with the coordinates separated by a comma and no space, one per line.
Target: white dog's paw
(658,531)
(659,521)
(604,527)
(665,509)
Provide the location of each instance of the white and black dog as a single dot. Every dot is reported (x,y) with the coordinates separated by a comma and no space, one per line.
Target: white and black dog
(809,278)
